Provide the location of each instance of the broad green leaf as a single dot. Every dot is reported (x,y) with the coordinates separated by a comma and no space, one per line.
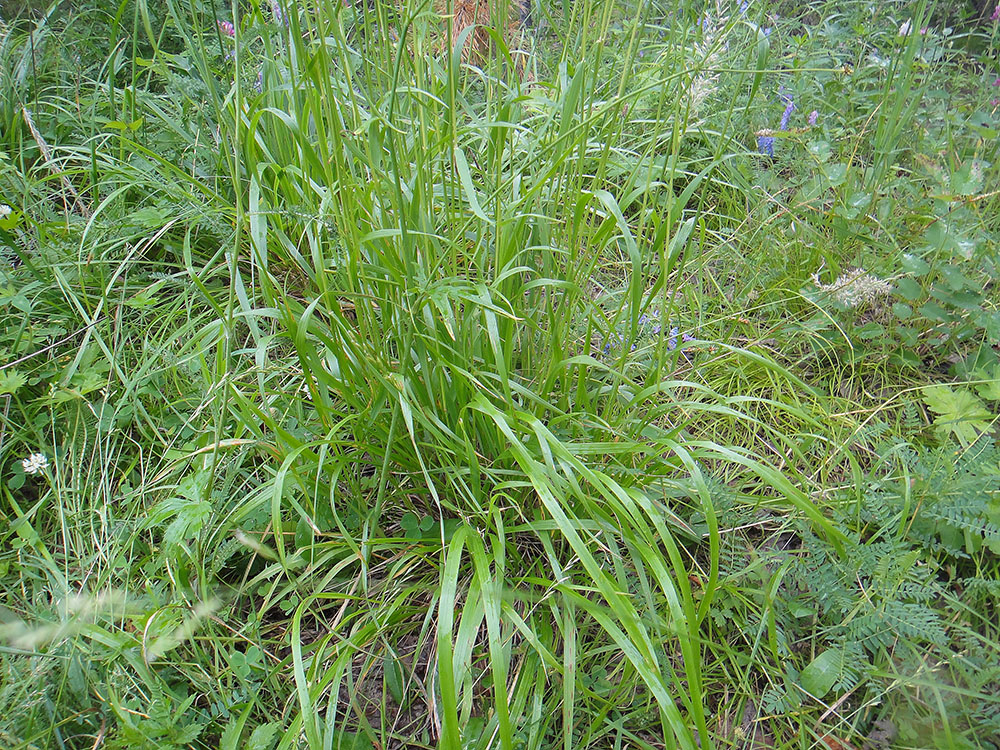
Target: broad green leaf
(152,217)
(968,180)
(393,676)
(351,741)
(909,289)
(934,311)
(191,518)
(800,609)
(230,738)
(915,265)
(821,673)
(989,390)
(902,311)
(821,150)
(959,412)
(303,533)
(263,737)
(11,381)
(763,50)
(835,174)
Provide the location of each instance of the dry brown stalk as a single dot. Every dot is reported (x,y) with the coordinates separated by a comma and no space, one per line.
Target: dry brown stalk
(480,13)
(80,206)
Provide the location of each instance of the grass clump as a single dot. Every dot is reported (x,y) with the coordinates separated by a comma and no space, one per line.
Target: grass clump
(630,384)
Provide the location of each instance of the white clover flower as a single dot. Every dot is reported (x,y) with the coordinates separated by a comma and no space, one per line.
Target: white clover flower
(855,287)
(5,210)
(35,463)
(906,28)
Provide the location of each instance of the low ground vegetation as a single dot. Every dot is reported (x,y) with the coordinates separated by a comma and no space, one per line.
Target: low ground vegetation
(633,384)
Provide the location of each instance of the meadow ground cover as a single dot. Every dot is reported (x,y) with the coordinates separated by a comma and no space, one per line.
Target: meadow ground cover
(632,385)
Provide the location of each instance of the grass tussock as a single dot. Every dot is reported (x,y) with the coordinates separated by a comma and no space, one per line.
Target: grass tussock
(609,375)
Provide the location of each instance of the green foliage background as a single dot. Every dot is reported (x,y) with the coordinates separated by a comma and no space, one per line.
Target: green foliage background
(394,401)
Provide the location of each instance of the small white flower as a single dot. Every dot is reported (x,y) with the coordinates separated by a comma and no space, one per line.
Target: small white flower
(35,463)
(906,28)
(5,210)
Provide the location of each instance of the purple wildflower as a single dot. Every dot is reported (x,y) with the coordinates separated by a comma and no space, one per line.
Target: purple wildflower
(813,117)
(996,14)
(278,14)
(672,341)
(786,115)
(765,144)
(227,28)
(615,340)
(674,333)
(743,7)
(259,85)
